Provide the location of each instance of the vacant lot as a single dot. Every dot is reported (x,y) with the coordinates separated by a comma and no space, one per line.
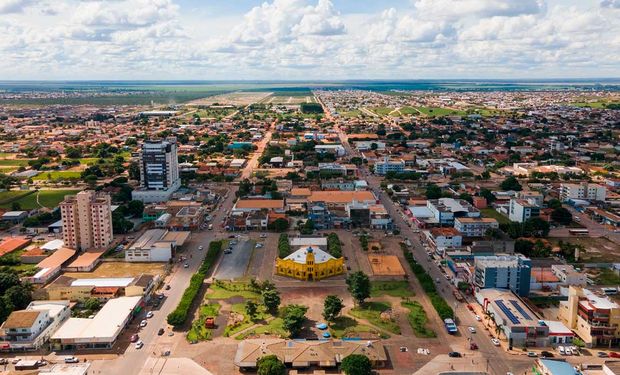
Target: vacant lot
(120,269)
(489,212)
(14,162)
(598,249)
(233,98)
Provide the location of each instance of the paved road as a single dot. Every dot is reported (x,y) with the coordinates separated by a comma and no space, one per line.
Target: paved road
(132,361)
(234,265)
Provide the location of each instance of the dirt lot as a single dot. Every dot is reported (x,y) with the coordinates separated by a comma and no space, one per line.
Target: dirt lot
(234,98)
(598,249)
(120,269)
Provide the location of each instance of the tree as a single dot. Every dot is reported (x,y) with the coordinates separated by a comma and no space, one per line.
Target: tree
(92,304)
(561,216)
(271,300)
(433,192)
(511,183)
(270,365)
(466,197)
(135,208)
(134,171)
(356,364)
(251,308)
(536,227)
(293,318)
(19,295)
(7,280)
(308,227)
(359,286)
(15,206)
(332,307)
(488,195)
(278,225)
(554,203)
(120,225)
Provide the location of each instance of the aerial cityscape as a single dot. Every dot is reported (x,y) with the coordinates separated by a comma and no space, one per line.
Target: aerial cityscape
(317,187)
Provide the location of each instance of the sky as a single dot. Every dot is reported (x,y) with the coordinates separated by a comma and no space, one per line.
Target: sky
(308,39)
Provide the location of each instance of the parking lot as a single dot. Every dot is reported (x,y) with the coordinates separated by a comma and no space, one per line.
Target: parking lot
(234,264)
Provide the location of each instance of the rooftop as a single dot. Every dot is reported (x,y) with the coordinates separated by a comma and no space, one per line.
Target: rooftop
(21,319)
(342,196)
(300,255)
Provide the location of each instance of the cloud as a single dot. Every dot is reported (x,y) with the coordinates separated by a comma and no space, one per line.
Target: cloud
(454,9)
(610,4)
(13,6)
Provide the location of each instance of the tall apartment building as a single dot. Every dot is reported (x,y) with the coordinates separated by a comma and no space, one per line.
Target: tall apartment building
(594,318)
(475,226)
(591,192)
(504,272)
(87,220)
(521,210)
(159,171)
(387,165)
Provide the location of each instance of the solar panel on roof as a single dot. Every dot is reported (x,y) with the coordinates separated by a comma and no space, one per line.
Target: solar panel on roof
(520,309)
(507,311)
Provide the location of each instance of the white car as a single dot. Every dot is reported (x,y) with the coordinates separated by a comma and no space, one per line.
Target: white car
(561,350)
(149,314)
(143,323)
(200,247)
(495,342)
(186,265)
(263,235)
(478,318)
(139,344)
(259,245)
(471,329)
(71,360)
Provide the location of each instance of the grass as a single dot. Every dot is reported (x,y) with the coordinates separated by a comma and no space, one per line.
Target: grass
(342,112)
(10,196)
(607,277)
(346,327)
(198,332)
(47,198)
(274,327)
(417,319)
(14,162)
(440,111)
(489,212)
(398,288)
(381,111)
(409,111)
(371,311)
(57,175)
(225,290)
(594,104)
(239,308)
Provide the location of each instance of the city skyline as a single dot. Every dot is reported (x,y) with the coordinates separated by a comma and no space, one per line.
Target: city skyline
(309,39)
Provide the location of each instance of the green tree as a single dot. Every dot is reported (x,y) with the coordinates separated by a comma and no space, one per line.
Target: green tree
(270,365)
(19,295)
(466,197)
(135,208)
(536,227)
(554,203)
(7,280)
(332,307)
(433,192)
(251,308)
(293,318)
(308,227)
(487,194)
(120,225)
(15,206)
(356,364)
(271,300)
(561,216)
(279,225)
(359,286)
(511,183)
(92,304)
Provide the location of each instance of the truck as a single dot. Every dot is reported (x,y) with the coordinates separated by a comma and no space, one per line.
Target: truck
(450,326)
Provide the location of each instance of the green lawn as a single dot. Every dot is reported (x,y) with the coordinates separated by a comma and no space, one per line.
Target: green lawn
(344,326)
(398,288)
(7,197)
(274,327)
(239,308)
(6,170)
(381,111)
(198,332)
(489,212)
(342,112)
(225,290)
(440,111)
(607,277)
(14,162)
(57,175)
(599,104)
(418,320)
(47,198)
(409,111)
(371,311)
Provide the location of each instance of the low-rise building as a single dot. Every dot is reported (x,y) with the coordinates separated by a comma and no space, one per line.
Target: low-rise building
(568,275)
(156,245)
(582,191)
(511,272)
(521,210)
(386,165)
(475,226)
(31,328)
(309,263)
(445,210)
(442,239)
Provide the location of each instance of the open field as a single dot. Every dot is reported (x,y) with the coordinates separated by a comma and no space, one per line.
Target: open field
(6,197)
(597,249)
(381,111)
(348,113)
(440,111)
(211,112)
(345,327)
(371,311)
(489,212)
(227,290)
(289,99)
(198,332)
(598,104)
(233,98)
(397,288)
(120,269)
(47,198)
(56,175)
(14,162)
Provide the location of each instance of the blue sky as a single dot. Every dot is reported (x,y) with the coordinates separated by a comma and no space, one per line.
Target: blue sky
(309,39)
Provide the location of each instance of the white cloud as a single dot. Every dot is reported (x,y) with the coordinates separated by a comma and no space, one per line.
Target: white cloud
(13,6)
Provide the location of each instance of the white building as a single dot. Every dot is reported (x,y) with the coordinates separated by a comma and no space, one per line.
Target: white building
(155,245)
(159,171)
(32,327)
(568,275)
(445,210)
(387,165)
(475,226)
(521,210)
(442,239)
(586,191)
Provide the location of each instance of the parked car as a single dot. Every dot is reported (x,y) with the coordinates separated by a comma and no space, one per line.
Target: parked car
(602,355)
(16,360)
(200,247)
(546,354)
(495,341)
(149,314)
(4,361)
(478,318)
(561,350)
(143,323)
(473,346)
(263,235)
(71,359)
(471,329)
(532,354)
(134,337)
(160,332)
(186,265)
(614,355)
(454,354)
(167,287)
(139,345)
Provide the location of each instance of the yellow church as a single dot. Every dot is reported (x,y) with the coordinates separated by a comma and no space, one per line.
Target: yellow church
(309,263)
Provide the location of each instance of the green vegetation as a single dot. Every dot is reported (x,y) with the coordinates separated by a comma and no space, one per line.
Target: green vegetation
(358,285)
(356,364)
(381,111)
(439,111)
(14,162)
(342,112)
(47,198)
(180,314)
(293,317)
(314,108)
(199,332)
(273,327)
(226,289)
(490,212)
(57,175)
(418,320)
(284,247)
(14,295)
(247,322)
(396,288)
(607,277)
(346,327)
(332,307)
(270,365)
(426,281)
(408,111)
(334,246)
(371,311)
(6,197)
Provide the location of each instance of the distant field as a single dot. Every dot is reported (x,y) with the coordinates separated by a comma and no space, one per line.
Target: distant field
(381,111)
(440,111)
(120,269)
(489,212)
(233,98)
(599,104)
(409,111)
(6,197)
(14,162)
(290,99)
(47,198)
(56,175)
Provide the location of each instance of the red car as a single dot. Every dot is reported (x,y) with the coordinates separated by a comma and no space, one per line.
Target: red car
(134,337)
(473,346)
(614,355)
(470,307)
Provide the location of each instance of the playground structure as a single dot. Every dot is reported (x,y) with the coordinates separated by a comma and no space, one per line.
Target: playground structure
(386,265)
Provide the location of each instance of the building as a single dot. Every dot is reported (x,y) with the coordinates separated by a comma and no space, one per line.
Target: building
(594,318)
(445,210)
(31,328)
(250,205)
(14,217)
(475,226)
(102,288)
(387,165)
(303,354)
(568,275)
(11,244)
(442,239)
(554,367)
(159,171)
(155,245)
(50,267)
(87,220)
(504,272)
(520,325)
(99,332)
(309,263)
(521,210)
(583,191)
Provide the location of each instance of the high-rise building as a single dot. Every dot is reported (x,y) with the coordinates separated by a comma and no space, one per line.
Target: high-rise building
(159,171)
(591,192)
(87,220)
(504,272)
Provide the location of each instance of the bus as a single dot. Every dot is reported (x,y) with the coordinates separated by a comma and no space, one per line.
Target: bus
(450,326)
(578,232)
